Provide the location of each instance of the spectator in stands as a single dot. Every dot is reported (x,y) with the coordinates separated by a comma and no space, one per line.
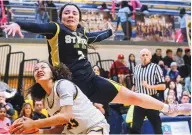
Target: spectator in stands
(161,93)
(124,16)
(38,110)
(185,99)
(119,67)
(188,83)
(52,11)
(167,80)
(179,87)
(187,57)
(170,100)
(144,10)
(3,103)
(135,4)
(168,58)
(104,7)
(8,10)
(173,72)
(5,122)
(157,56)
(27,111)
(96,69)
(41,14)
(179,57)
(187,93)
(131,63)
(171,90)
(163,67)
(101,72)
(183,15)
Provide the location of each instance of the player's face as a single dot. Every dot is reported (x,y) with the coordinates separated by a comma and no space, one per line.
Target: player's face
(70,17)
(145,57)
(42,72)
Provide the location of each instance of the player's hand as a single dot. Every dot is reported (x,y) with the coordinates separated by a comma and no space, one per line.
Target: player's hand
(12,29)
(24,127)
(19,120)
(100,107)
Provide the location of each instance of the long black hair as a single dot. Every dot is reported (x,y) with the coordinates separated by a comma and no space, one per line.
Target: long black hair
(182,12)
(125,4)
(70,4)
(129,60)
(59,72)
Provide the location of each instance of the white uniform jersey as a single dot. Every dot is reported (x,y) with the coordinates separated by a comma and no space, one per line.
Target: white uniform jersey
(84,114)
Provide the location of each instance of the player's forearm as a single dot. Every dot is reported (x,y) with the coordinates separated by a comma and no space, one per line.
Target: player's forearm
(45,29)
(55,130)
(58,119)
(99,36)
(157,87)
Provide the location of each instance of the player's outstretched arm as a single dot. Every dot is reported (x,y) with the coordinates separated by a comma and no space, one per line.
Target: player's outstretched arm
(101,35)
(47,29)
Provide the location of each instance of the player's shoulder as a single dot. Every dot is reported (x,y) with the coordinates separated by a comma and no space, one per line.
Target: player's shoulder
(63,82)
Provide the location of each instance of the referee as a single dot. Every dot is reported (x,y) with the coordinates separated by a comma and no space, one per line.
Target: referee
(147,79)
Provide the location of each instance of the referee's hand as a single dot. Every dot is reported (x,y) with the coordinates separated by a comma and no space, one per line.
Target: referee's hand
(145,85)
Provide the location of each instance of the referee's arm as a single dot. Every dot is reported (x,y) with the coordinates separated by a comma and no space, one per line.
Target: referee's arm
(160,84)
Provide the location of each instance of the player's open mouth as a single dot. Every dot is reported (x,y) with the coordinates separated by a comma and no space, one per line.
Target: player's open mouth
(70,21)
(40,74)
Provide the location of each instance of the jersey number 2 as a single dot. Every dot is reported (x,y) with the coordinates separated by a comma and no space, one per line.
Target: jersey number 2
(81,55)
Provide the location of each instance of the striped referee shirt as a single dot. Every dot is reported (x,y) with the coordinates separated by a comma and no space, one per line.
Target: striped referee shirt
(151,73)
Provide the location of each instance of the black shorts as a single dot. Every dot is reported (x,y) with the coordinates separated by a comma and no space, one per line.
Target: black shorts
(99,90)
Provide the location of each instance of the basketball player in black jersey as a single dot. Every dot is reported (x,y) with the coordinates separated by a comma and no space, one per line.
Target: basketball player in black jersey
(68,43)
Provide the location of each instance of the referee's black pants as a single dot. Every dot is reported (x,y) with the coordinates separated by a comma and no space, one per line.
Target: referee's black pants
(139,116)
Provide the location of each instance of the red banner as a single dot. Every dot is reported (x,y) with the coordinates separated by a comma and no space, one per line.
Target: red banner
(3,20)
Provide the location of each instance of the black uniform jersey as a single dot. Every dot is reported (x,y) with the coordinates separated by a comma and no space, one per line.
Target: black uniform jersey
(68,47)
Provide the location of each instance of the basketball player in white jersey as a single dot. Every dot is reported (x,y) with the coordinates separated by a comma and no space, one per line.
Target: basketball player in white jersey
(65,103)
